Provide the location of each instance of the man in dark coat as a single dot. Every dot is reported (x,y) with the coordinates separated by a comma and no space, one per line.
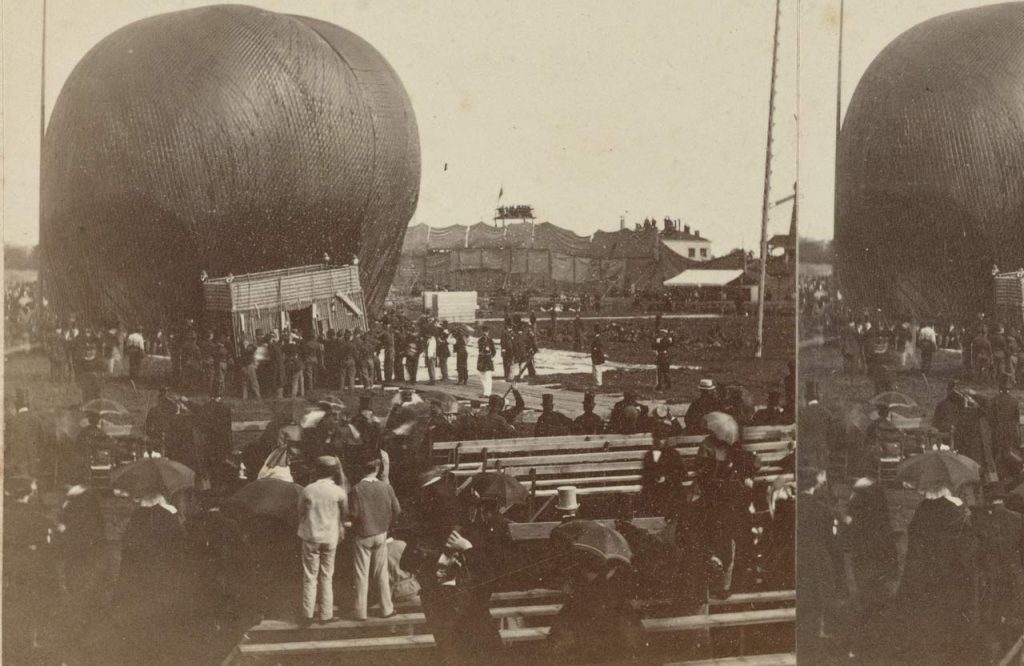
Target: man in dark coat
(388,342)
(443,350)
(526,349)
(82,550)
(24,440)
(662,473)
(947,412)
(551,423)
(663,342)
(368,426)
(937,590)
(30,581)
(771,414)
(1001,549)
(461,358)
(312,361)
(214,420)
(625,415)
(705,403)
(1004,422)
(588,423)
(817,431)
(508,349)
(485,359)
(346,351)
(817,594)
(495,424)
(577,332)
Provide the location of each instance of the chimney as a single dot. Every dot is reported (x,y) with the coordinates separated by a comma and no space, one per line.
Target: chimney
(622,222)
(668,224)
(686,228)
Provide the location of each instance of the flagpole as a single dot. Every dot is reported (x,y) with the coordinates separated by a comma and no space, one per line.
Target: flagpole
(767,188)
(42,132)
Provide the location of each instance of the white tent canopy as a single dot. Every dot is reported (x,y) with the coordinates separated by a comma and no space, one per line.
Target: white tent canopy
(704,277)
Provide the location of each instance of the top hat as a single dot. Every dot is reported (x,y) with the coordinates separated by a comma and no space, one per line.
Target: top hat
(588,398)
(364,403)
(567,499)
(547,399)
(707,385)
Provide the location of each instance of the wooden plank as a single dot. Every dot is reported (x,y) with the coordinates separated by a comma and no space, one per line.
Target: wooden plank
(598,490)
(533,531)
(743,618)
(545,470)
(405,619)
(568,442)
(248,426)
(583,480)
(748,660)
(416,641)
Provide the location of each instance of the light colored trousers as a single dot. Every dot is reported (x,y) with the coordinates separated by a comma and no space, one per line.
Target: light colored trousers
(318,575)
(370,560)
(598,374)
(487,379)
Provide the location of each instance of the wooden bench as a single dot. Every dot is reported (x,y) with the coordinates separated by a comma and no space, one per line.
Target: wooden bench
(505,605)
(596,464)
(704,622)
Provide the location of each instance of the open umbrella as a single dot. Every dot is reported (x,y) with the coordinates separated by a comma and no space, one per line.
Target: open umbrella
(592,537)
(499,486)
(723,426)
(153,475)
(893,399)
(932,470)
(268,497)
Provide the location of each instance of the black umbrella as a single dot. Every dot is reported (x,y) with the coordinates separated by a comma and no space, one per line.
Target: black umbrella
(268,497)
(592,537)
(153,475)
(499,486)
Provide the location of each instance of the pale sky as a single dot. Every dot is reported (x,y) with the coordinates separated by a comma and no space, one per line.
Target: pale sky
(869,26)
(585,110)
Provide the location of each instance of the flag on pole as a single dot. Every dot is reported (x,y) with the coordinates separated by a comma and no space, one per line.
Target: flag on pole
(501,192)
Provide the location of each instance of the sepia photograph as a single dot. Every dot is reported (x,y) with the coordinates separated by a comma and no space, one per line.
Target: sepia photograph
(911,355)
(466,332)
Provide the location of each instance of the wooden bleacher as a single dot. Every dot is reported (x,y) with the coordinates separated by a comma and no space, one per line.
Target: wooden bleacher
(280,640)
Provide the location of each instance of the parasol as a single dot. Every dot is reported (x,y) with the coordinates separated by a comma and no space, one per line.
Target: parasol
(723,426)
(104,407)
(153,475)
(932,470)
(592,537)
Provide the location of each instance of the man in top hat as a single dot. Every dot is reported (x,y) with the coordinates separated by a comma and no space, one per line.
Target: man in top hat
(771,414)
(588,423)
(551,423)
(567,505)
(705,403)
(662,473)
(24,439)
(323,507)
(663,342)
(509,344)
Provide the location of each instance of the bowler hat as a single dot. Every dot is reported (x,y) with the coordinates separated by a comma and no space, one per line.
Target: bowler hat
(706,385)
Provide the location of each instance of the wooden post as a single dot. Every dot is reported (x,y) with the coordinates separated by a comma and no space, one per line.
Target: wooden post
(767,188)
